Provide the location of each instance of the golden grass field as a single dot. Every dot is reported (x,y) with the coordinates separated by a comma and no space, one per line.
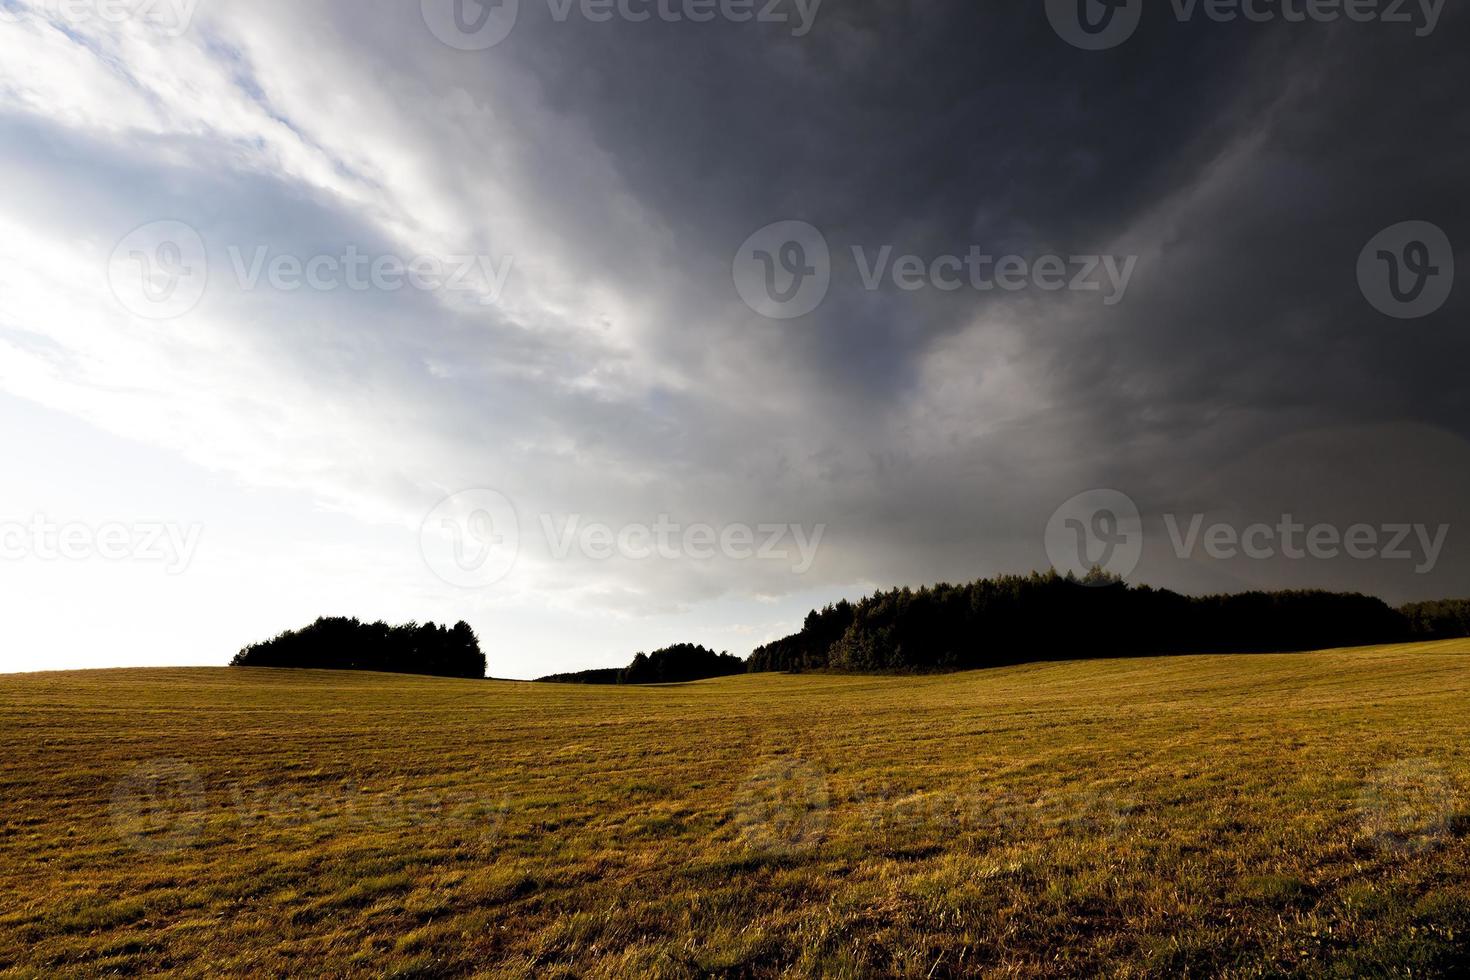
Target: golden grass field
(1242,816)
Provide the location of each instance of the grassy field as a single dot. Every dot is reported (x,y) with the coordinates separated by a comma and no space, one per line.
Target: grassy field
(1245,816)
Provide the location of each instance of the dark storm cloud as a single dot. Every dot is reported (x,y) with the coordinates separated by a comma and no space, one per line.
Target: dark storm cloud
(623,164)
(928,129)
(1247,166)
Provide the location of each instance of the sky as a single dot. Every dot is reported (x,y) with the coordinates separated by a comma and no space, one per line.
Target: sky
(608,325)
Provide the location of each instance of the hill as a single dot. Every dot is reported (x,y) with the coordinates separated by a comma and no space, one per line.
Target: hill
(1279,815)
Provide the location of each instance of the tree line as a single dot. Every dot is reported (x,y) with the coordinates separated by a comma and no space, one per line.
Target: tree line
(1442,619)
(347,644)
(677,664)
(991,622)
(1022,618)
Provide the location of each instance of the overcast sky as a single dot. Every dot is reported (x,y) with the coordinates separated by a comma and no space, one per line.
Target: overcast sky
(662,370)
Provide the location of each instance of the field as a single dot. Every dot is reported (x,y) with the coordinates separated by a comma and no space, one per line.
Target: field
(1246,816)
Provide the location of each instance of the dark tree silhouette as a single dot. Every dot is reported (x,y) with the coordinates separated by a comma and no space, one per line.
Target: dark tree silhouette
(671,665)
(601,675)
(682,662)
(1440,620)
(810,648)
(347,644)
(1016,619)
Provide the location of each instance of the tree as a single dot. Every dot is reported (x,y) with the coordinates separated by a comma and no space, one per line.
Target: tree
(347,644)
(671,665)
(1015,619)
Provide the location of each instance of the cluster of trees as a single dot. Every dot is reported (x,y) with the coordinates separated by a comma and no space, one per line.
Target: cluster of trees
(347,644)
(671,665)
(601,675)
(1015,619)
(811,648)
(989,623)
(1443,619)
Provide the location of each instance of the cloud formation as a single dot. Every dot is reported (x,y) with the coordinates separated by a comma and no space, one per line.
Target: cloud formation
(615,168)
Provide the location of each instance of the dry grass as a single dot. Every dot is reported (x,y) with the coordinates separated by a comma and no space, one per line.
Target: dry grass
(1198,816)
